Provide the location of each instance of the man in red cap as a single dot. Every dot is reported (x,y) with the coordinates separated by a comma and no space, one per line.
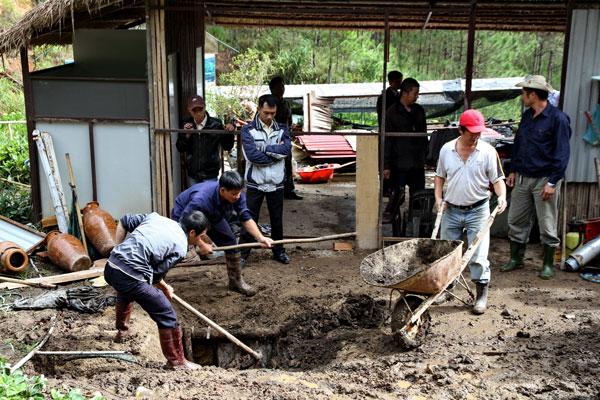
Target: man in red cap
(202,150)
(468,165)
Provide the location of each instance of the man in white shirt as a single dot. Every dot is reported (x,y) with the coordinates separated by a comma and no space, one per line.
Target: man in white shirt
(469,165)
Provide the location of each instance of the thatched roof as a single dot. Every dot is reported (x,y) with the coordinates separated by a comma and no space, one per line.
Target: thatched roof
(50,22)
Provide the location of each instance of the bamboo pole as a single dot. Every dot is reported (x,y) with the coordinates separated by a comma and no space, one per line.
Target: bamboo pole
(77,209)
(257,355)
(287,241)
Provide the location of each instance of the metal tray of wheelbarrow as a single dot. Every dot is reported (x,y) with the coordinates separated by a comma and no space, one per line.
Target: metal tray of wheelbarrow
(422,266)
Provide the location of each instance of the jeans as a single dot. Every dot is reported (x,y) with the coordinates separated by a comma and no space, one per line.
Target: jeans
(523,198)
(453,223)
(254,199)
(152,300)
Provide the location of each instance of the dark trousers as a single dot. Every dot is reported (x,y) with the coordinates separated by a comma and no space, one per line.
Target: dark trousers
(222,235)
(152,300)
(414,178)
(254,199)
(288,184)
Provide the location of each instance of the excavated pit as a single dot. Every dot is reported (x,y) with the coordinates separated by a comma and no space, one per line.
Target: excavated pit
(307,342)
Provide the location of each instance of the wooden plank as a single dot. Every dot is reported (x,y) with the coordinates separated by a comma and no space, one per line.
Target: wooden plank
(94,272)
(50,221)
(367,179)
(342,246)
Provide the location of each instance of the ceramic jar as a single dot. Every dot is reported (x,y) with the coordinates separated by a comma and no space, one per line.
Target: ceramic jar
(13,258)
(67,252)
(100,228)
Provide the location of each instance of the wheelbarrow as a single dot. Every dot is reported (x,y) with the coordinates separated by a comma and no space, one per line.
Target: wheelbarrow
(319,173)
(420,270)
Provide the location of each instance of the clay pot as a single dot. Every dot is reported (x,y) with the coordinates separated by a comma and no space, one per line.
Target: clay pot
(12,258)
(100,228)
(67,252)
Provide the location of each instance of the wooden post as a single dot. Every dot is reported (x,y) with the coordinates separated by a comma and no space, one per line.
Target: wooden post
(36,198)
(565,60)
(386,58)
(470,55)
(367,193)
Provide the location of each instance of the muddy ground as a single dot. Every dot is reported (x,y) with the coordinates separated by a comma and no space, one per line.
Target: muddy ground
(328,333)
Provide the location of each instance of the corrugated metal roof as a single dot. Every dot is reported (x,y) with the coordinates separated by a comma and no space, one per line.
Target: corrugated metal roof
(581,91)
(13,232)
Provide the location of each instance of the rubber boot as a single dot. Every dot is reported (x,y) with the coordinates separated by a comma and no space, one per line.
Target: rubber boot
(548,266)
(123,313)
(481,300)
(172,348)
(517,253)
(234,271)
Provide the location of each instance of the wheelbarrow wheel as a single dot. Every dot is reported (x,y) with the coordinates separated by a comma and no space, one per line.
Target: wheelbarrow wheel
(414,335)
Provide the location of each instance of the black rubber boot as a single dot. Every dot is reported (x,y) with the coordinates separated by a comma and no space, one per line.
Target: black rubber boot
(234,271)
(517,253)
(481,300)
(548,266)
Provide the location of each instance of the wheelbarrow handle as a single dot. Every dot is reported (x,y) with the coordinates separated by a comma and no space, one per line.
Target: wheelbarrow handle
(438,221)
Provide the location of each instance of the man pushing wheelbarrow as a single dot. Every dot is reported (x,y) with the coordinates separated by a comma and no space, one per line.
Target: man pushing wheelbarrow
(469,165)
(424,270)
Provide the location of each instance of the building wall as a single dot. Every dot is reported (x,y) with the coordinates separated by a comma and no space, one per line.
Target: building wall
(122,151)
(581,93)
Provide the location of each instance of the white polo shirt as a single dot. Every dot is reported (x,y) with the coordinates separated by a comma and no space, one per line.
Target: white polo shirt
(468,182)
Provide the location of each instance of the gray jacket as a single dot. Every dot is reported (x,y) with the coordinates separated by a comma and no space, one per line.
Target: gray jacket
(265,155)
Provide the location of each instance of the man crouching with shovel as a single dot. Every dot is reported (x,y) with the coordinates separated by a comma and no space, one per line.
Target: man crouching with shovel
(217,200)
(136,268)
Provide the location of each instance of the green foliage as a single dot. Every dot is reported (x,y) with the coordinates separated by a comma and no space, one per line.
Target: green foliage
(249,71)
(304,56)
(17,386)
(15,200)
(14,158)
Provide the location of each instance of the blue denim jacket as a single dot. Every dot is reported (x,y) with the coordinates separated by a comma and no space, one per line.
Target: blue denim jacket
(541,145)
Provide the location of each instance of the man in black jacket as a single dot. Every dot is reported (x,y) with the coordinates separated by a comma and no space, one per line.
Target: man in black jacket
(392,94)
(202,152)
(404,158)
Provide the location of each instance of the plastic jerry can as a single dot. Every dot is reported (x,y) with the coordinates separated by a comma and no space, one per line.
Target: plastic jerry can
(574,241)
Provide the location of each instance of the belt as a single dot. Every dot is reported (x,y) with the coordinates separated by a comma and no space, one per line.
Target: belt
(472,206)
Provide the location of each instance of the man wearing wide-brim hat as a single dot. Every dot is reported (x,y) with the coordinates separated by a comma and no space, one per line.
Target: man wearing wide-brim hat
(539,159)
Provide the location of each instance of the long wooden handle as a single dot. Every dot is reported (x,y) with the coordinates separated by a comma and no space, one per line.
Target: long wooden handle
(257,355)
(287,241)
(79,219)
(438,221)
(27,283)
